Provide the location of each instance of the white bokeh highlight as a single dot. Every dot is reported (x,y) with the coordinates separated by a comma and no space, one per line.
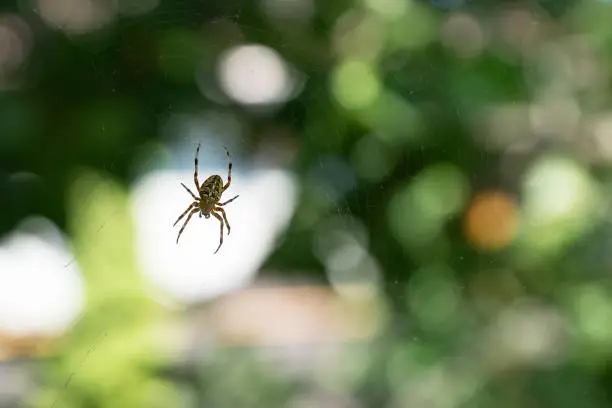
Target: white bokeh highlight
(255,75)
(38,294)
(16,40)
(341,244)
(190,271)
(77,16)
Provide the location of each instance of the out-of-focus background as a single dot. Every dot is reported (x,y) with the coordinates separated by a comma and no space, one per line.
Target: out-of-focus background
(424,214)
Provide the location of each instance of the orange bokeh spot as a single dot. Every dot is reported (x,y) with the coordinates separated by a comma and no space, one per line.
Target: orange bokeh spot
(491,221)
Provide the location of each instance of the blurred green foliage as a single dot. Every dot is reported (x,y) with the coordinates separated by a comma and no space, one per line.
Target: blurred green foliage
(406,101)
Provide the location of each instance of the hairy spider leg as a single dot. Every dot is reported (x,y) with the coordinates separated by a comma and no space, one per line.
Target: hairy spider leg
(217,216)
(189,191)
(229,201)
(195,210)
(229,171)
(195,173)
(194,204)
(222,211)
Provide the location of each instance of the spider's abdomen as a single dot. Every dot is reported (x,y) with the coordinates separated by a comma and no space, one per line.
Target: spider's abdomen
(211,189)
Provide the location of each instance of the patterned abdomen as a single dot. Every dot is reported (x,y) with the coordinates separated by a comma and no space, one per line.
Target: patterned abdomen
(211,189)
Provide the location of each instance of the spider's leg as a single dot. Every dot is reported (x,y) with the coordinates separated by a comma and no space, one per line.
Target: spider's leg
(185,213)
(229,201)
(222,211)
(195,210)
(195,172)
(189,191)
(217,216)
(229,171)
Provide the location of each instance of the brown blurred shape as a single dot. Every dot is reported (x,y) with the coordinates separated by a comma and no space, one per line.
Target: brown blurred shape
(491,221)
(27,346)
(295,315)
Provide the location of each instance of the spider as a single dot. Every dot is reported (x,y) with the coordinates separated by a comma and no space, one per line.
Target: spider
(210,194)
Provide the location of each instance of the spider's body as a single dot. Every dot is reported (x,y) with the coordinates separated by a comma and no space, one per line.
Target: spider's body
(210,192)
(210,195)
(207,203)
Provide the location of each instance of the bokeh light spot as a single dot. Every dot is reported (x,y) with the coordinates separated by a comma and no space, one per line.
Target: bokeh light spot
(414,29)
(255,75)
(434,296)
(391,9)
(526,333)
(355,84)
(441,189)
(359,36)
(15,45)
(393,119)
(342,245)
(602,136)
(491,221)
(463,34)
(561,202)
(593,309)
(38,295)
(418,211)
(555,188)
(77,16)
